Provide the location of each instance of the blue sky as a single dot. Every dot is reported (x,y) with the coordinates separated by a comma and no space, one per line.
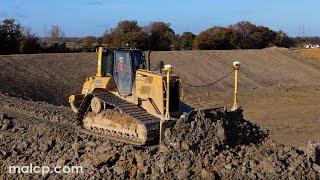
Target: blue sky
(93,17)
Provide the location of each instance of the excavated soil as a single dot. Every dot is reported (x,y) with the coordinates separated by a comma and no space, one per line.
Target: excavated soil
(205,144)
(278,88)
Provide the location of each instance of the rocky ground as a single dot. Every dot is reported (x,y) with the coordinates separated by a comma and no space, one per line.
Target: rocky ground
(205,144)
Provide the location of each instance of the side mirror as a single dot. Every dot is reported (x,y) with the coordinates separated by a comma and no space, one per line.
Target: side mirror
(160,65)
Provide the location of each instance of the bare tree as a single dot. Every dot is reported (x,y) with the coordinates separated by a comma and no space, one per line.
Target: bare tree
(55,34)
(26,31)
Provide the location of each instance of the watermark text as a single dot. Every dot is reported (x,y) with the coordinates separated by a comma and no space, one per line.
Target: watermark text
(43,170)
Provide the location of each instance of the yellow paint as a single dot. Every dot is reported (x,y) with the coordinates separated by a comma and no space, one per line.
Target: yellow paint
(167,69)
(99,70)
(235,97)
(153,101)
(236,66)
(98,82)
(150,89)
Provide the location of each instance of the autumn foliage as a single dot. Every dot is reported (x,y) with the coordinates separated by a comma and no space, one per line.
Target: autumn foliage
(156,36)
(243,35)
(159,36)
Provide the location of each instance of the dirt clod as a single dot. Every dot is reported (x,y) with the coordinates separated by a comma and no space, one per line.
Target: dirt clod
(313,151)
(3,116)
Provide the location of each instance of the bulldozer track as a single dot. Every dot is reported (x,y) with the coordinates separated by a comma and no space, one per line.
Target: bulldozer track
(138,114)
(110,136)
(65,126)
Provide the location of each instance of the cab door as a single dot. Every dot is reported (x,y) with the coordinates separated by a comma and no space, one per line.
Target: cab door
(123,72)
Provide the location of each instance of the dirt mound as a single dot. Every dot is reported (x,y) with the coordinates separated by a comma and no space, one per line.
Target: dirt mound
(205,143)
(224,145)
(212,128)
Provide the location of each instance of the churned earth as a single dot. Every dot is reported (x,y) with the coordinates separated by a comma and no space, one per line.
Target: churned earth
(205,144)
(279,91)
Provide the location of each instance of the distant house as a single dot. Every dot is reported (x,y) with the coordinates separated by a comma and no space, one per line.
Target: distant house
(311,46)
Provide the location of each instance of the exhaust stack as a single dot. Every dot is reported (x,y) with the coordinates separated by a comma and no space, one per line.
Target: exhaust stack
(148,60)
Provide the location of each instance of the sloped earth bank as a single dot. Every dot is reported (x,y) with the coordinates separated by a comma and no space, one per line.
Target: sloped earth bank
(53,77)
(205,144)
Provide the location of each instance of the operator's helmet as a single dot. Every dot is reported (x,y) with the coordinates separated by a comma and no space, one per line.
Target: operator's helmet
(121,59)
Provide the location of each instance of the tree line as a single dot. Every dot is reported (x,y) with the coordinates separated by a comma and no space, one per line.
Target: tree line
(157,36)
(17,39)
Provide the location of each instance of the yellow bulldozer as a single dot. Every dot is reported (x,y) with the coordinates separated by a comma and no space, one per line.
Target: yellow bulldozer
(125,100)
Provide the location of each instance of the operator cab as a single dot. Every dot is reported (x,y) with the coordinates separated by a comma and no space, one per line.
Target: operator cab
(121,64)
